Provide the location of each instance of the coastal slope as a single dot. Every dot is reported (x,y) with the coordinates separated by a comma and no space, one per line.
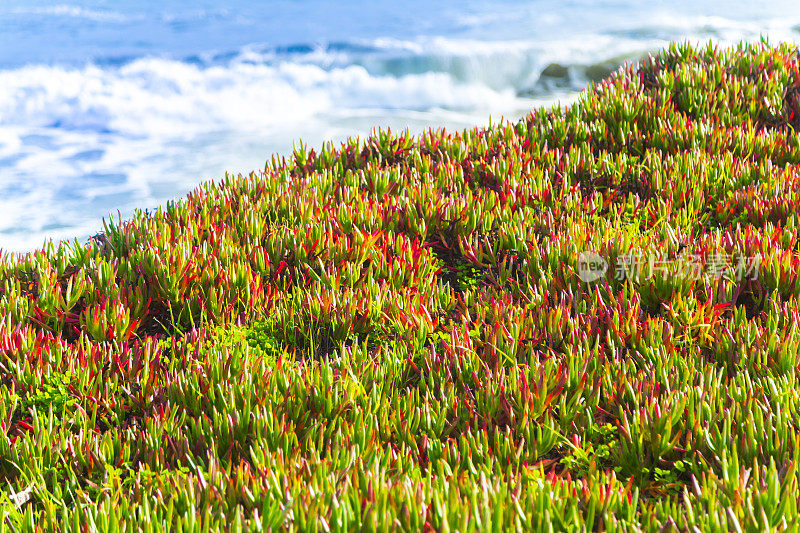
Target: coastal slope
(585,319)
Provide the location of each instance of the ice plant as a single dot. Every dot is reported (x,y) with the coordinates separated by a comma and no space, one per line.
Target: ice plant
(396,334)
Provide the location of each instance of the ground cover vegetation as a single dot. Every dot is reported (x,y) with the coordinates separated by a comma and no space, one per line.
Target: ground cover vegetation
(393,334)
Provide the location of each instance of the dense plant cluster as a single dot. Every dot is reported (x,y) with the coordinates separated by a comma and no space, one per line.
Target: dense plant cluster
(396,333)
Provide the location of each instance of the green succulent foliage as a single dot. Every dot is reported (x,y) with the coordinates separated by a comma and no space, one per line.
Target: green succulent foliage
(258,336)
(596,454)
(469,278)
(53,393)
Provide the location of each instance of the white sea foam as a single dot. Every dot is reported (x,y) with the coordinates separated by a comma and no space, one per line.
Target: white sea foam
(158,97)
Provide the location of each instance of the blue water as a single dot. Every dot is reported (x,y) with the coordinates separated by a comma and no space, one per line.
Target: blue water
(109,106)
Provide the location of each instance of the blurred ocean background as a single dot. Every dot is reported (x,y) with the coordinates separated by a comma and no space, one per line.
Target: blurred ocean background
(111,105)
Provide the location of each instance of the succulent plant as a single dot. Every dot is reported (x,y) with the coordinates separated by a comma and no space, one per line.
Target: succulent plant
(395,333)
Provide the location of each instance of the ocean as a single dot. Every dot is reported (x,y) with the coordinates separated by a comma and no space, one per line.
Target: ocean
(109,106)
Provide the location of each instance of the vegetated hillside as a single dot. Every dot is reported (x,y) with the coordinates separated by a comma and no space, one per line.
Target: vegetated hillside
(405,333)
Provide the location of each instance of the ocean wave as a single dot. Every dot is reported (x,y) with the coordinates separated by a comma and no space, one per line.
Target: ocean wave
(275,87)
(159,97)
(272,86)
